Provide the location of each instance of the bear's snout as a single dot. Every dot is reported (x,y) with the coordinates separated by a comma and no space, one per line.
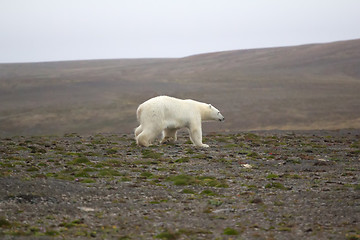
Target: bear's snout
(221,119)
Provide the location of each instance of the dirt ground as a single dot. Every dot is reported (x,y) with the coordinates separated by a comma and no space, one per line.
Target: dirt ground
(247,185)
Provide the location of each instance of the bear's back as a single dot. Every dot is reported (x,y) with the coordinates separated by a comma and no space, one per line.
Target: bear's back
(162,100)
(168,106)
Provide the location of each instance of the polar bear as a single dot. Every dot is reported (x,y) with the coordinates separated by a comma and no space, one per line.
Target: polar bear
(162,116)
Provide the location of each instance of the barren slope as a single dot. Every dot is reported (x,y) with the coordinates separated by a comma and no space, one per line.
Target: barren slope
(304,87)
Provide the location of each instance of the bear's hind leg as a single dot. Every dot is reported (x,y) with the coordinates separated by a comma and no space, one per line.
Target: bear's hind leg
(138,130)
(142,140)
(147,137)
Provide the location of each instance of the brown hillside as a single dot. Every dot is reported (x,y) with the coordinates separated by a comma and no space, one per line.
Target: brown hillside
(304,87)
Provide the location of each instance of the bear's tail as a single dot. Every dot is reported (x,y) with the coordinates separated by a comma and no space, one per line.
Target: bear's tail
(138,113)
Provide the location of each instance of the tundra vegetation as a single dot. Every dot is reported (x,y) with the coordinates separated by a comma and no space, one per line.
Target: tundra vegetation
(247,185)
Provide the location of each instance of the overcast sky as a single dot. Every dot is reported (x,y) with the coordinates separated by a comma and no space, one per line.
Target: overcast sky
(52,30)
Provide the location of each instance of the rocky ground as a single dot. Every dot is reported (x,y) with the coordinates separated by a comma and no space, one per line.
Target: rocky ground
(250,185)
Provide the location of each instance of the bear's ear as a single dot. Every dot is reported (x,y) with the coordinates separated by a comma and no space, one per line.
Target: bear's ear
(210,106)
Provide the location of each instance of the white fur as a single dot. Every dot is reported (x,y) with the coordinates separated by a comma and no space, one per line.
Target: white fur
(162,116)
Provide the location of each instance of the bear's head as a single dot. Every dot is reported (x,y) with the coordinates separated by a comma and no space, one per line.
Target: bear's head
(215,114)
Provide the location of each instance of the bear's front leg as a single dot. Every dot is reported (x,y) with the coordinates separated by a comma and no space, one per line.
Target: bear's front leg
(196,137)
(169,135)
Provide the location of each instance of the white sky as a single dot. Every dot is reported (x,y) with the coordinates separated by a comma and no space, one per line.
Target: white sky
(52,30)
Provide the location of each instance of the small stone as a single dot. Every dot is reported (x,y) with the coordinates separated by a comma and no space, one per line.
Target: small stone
(247,166)
(86,209)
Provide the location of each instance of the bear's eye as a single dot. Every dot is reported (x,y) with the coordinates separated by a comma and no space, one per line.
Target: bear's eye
(218,113)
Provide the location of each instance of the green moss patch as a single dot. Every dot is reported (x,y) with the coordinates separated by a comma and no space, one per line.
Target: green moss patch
(230,231)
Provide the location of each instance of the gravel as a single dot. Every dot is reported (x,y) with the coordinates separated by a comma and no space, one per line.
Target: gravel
(247,185)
